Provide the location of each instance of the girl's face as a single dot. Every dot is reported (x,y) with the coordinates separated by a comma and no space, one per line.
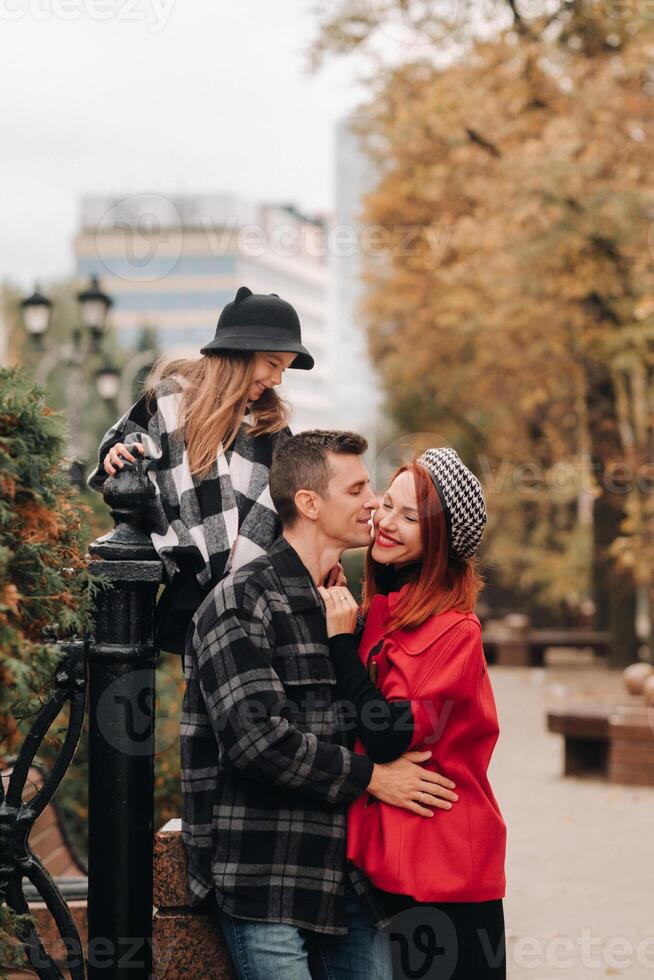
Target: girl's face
(396,524)
(269,366)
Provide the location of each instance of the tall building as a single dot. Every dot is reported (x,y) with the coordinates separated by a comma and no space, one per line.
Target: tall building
(359,394)
(173,262)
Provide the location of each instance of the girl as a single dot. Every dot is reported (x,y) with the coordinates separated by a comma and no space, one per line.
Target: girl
(210,426)
(419,681)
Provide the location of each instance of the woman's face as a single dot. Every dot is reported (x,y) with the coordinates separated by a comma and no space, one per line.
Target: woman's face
(396,524)
(269,366)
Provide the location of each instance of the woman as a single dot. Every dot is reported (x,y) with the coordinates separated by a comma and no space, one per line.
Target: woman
(210,426)
(422,647)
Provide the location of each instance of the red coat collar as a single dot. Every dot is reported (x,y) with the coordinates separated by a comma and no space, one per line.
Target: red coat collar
(414,641)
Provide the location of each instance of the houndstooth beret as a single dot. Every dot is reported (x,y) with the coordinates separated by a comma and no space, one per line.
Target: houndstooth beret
(462,498)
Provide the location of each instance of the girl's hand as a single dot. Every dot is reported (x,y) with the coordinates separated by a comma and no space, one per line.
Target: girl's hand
(341,609)
(336,576)
(117,454)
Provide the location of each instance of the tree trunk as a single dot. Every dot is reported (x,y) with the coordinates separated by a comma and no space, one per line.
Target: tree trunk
(624,640)
(614,590)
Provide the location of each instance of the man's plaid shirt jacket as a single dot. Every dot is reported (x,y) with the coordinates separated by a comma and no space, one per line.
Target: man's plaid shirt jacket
(267,771)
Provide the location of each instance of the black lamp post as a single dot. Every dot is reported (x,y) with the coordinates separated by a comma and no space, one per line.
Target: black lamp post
(36,315)
(113,385)
(95,304)
(107,381)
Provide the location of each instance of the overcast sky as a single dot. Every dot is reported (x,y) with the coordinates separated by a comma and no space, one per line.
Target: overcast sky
(125,96)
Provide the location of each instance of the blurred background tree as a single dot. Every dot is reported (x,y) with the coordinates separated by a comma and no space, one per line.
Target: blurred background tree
(513,308)
(46,591)
(40,427)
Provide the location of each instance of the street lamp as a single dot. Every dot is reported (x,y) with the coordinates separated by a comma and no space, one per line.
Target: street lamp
(117,385)
(107,381)
(36,314)
(113,384)
(95,306)
(74,354)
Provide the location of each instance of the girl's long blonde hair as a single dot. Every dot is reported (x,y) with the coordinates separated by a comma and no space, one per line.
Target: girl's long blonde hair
(214,402)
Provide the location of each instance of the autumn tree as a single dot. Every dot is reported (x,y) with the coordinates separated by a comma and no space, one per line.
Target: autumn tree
(518,322)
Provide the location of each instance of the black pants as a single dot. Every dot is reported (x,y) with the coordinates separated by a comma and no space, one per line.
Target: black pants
(448,940)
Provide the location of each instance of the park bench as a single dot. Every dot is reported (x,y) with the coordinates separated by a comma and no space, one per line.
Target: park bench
(585,730)
(631,746)
(511,642)
(607,740)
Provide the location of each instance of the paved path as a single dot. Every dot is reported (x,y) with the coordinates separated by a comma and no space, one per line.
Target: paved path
(580,867)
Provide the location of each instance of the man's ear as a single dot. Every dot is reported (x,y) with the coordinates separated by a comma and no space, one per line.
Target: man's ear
(305,501)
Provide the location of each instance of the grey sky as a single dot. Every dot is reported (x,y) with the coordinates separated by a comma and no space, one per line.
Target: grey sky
(101,96)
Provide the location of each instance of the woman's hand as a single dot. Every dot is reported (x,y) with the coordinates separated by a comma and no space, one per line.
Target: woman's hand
(117,454)
(336,576)
(406,784)
(341,608)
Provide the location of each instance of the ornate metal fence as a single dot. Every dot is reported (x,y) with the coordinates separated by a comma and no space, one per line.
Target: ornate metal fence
(17,818)
(116,667)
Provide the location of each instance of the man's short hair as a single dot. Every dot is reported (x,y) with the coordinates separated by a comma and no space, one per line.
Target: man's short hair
(301,464)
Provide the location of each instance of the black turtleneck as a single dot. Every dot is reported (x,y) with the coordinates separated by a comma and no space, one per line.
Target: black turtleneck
(384,727)
(391,579)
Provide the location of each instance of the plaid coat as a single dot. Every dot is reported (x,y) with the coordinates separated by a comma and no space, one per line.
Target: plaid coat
(211,524)
(266,769)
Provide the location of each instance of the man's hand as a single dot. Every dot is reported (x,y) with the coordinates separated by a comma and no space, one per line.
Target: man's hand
(406,784)
(341,610)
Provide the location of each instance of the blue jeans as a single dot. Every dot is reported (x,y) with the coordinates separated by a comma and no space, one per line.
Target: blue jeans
(276,951)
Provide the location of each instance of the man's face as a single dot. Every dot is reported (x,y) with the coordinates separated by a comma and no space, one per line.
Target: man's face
(344,514)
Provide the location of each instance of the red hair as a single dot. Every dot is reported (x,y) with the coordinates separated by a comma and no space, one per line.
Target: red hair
(441,582)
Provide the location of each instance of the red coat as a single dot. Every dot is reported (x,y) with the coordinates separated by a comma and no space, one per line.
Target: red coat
(457,855)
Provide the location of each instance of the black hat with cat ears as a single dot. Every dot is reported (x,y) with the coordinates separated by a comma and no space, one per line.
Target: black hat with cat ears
(258,322)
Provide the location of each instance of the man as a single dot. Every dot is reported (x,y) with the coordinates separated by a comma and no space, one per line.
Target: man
(266,769)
